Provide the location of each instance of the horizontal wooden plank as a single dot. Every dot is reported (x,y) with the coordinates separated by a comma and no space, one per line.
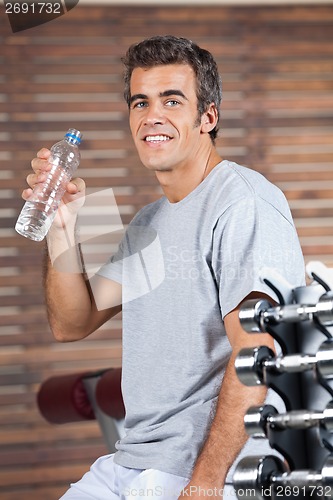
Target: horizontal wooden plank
(299,157)
(74,452)
(70,107)
(280,70)
(306,194)
(19,416)
(317,250)
(39,334)
(321,232)
(34,492)
(302,176)
(44,475)
(41,356)
(25,398)
(47,433)
(313,212)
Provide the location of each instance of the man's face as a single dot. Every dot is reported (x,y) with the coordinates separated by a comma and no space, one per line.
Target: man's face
(164,116)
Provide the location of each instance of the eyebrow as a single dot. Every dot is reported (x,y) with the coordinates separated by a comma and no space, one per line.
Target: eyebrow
(166,93)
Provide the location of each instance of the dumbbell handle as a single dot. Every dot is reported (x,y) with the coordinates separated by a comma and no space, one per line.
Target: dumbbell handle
(288,314)
(255,363)
(255,314)
(297,419)
(291,363)
(300,478)
(322,361)
(258,420)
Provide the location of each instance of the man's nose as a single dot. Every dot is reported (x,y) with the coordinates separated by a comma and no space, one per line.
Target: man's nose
(154,115)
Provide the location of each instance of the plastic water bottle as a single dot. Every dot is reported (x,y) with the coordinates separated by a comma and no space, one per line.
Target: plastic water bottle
(40,209)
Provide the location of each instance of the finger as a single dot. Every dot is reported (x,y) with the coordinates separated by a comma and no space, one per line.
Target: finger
(38,165)
(76,185)
(36,178)
(26,193)
(44,153)
(32,180)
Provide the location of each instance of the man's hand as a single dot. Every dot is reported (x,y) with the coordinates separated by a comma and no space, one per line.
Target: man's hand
(73,198)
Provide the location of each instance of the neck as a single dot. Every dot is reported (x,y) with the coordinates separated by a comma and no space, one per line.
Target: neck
(181,181)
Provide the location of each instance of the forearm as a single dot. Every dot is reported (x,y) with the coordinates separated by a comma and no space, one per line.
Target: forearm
(67,295)
(227,434)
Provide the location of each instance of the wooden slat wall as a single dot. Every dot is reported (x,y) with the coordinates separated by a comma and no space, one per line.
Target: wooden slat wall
(277,117)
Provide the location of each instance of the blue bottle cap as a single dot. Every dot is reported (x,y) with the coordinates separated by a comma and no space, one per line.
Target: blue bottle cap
(74,135)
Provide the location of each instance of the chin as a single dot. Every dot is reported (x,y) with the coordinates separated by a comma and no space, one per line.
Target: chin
(155,165)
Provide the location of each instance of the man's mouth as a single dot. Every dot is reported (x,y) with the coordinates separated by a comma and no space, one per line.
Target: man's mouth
(157,138)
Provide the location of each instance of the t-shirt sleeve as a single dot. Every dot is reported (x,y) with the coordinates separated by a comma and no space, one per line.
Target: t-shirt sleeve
(250,235)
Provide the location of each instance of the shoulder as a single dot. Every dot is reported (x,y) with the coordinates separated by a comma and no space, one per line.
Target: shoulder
(246,180)
(241,185)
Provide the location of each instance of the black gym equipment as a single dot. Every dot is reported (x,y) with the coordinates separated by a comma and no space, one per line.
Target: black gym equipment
(302,374)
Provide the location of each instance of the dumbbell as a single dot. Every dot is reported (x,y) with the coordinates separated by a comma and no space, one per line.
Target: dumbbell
(253,363)
(264,477)
(258,420)
(256,314)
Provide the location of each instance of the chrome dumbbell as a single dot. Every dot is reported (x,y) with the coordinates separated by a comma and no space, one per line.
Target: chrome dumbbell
(260,419)
(268,477)
(256,314)
(253,363)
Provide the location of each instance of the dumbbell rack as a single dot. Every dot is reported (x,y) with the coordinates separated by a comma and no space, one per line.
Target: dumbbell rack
(302,325)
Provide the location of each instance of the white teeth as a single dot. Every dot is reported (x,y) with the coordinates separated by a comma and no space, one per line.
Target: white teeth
(157,138)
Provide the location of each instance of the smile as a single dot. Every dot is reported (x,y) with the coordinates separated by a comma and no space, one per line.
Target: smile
(157,138)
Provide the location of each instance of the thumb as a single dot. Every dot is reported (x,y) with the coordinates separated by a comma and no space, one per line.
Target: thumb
(76,186)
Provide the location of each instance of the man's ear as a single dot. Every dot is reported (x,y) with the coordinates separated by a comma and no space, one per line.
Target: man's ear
(209,118)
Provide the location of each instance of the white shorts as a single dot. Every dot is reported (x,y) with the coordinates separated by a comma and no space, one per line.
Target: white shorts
(108,481)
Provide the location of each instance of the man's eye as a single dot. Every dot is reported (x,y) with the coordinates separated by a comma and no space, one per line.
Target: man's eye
(140,104)
(172,102)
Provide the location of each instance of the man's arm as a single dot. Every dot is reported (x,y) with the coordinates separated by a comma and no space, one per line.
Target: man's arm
(72,300)
(71,305)
(227,435)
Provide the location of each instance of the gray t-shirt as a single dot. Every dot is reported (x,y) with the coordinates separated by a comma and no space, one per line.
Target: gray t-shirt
(183,267)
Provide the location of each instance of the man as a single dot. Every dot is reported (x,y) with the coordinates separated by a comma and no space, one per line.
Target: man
(215,227)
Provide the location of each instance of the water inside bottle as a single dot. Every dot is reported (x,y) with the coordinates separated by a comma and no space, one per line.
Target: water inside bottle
(40,209)
(33,222)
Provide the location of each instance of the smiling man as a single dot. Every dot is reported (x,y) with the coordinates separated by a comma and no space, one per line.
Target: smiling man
(217,224)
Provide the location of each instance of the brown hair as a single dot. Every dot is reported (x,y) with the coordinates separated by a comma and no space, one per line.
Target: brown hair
(162,50)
